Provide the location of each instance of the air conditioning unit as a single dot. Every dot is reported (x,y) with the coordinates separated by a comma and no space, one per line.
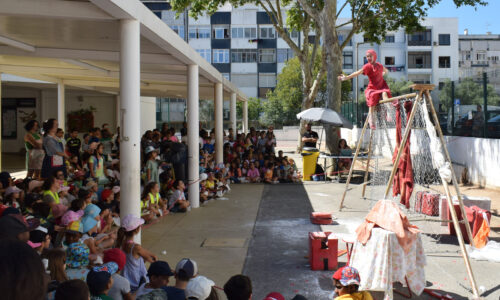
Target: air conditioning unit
(435,43)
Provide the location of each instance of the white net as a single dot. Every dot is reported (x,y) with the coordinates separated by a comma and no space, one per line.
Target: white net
(426,207)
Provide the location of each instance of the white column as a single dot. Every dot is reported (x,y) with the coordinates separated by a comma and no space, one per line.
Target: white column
(245,117)
(130,153)
(219,123)
(193,137)
(118,111)
(61,115)
(232,113)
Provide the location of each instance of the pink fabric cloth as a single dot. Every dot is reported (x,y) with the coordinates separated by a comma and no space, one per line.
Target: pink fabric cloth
(377,84)
(403,179)
(388,215)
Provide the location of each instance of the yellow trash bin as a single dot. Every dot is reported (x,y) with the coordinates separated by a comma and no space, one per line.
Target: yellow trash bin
(309,160)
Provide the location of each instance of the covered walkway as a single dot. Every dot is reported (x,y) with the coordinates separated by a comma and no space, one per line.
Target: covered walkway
(118,47)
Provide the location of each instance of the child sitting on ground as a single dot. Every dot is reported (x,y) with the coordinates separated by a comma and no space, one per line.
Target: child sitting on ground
(99,281)
(134,269)
(346,281)
(159,273)
(253,174)
(177,201)
(156,204)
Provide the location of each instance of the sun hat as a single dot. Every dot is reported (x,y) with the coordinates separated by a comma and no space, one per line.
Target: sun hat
(187,266)
(199,287)
(160,268)
(131,222)
(150,149)
(71,216)
(12,190)
(59,210)
(274,296)
(92,211)
(105,194)
(116,189)
(347,276)
(98,277)
(11,226)
(90,184)
(75,227)
(115,255)
(88,223)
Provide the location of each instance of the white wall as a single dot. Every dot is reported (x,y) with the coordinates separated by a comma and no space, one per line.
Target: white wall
(46,107)
(17,145)
(244,68)
(148,113)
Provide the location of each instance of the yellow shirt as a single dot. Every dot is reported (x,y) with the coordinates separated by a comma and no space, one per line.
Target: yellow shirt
(363,295)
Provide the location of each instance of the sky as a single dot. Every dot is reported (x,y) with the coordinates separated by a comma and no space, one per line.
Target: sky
(485,18)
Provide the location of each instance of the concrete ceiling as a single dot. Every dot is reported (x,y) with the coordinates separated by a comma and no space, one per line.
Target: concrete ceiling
(77,42)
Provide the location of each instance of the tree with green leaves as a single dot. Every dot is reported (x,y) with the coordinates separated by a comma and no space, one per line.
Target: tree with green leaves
(255,109)
(284,102)
(373,17)
(469,92)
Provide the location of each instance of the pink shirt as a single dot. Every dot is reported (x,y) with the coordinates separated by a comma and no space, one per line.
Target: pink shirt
(253,173)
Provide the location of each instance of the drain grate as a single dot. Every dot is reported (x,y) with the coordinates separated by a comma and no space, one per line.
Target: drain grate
(224,243)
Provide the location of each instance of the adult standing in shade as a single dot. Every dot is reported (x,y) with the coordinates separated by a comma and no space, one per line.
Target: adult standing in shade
(54,150)
(34,151)
(309,138)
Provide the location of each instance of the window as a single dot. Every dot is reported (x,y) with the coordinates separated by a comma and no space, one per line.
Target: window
(244,55)
(205,53)
(196,32)
(444,40)
(389,38)
(390,60)
(441,85)
(179,29)
(347,60)
(220,56)
(444,61)
(243,33)
(267,33)
(284,54)
(220,32)
(267,55)
(244,80)
(267,79)
(419,60)
(420,38)
(481,56)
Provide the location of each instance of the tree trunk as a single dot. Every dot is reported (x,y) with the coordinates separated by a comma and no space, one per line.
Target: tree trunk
(307,100)
(334,68)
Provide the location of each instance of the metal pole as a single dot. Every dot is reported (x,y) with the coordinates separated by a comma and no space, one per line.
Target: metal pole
(245,117)
(193,136)
(130,94)
(453,108)
(485,105)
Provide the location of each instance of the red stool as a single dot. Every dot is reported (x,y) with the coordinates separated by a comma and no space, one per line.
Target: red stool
(323,251)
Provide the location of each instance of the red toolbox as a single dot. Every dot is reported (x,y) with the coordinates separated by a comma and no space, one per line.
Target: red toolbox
(321,218)
(427,203)
(475,216)
(323,251)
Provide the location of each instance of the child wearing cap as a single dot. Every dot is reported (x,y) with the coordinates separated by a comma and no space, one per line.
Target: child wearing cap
(39,239)
(185,270)
(201,288)
(121,286)
(134,269)
(99,281)
(346,281)
(152,174)
(159,273)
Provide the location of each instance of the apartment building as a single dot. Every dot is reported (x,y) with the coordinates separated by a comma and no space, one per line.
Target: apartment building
(243,45)
(478,54)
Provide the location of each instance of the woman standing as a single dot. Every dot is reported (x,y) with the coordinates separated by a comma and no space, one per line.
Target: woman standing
(34,151)
(54,150)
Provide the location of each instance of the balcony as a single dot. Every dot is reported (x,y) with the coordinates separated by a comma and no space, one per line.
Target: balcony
(420,43)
